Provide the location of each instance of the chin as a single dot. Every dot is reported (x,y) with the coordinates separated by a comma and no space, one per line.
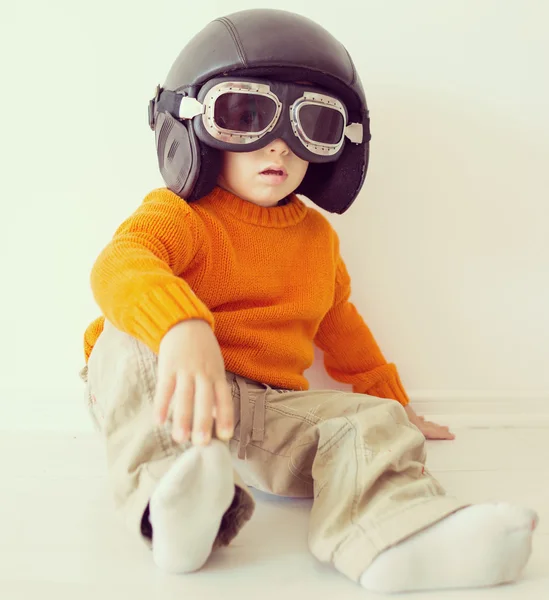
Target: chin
(268,198)
(265,202)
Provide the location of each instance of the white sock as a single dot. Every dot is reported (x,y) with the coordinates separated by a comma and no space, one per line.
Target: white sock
(187,506)
(478,546)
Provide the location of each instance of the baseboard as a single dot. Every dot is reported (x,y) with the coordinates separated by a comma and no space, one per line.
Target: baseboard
(470,409)
(456,408)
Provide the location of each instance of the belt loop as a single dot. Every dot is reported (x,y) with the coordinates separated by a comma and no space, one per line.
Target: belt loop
(245,420)
(258,431)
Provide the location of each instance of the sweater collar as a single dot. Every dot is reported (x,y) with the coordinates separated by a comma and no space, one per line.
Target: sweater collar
(286,215)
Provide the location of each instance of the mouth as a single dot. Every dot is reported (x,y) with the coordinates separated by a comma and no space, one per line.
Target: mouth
(274,174)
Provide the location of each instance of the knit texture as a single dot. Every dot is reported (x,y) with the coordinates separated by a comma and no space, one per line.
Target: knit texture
(269,281)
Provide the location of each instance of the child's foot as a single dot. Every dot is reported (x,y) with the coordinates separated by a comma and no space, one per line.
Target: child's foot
(187,506)
(478,546)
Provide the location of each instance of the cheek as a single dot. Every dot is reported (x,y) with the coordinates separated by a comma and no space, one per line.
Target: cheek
(238,166)
(229,168)
(302,169)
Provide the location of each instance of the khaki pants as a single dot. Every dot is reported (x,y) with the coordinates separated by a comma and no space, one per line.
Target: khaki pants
(358,456)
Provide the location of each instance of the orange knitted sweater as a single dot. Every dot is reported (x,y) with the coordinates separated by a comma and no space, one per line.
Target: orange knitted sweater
(270,281)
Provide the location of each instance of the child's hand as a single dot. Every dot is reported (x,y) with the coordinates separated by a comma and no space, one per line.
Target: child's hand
(430,430)
(191,372)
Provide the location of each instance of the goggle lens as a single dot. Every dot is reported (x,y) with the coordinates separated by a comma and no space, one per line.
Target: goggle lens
(244,113)
(321,124)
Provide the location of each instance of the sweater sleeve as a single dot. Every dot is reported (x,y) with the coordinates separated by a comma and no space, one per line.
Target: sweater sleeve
(136,279)
(351,354)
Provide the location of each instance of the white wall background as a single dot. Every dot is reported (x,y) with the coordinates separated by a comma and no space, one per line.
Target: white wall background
(447,244)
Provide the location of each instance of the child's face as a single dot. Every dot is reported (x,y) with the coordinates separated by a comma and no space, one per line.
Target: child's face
(243,173)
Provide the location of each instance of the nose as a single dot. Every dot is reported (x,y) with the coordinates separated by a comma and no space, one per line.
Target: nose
(278,147)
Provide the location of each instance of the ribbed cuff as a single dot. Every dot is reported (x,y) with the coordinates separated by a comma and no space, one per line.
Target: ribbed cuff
(389,387)
(162,308)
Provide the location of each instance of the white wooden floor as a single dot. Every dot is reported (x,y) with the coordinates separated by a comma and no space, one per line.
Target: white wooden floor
(60,539)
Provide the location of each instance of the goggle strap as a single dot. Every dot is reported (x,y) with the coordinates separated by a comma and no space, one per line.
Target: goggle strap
(190,108)
(177,104)
(355,133)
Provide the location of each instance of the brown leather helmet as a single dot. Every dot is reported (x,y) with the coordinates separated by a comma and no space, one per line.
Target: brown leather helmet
(272,47)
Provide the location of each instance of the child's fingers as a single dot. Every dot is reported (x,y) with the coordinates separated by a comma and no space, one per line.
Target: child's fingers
(437,432)
(203,411)
(224,423)
(436,427)
(163,394)
(183,409)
